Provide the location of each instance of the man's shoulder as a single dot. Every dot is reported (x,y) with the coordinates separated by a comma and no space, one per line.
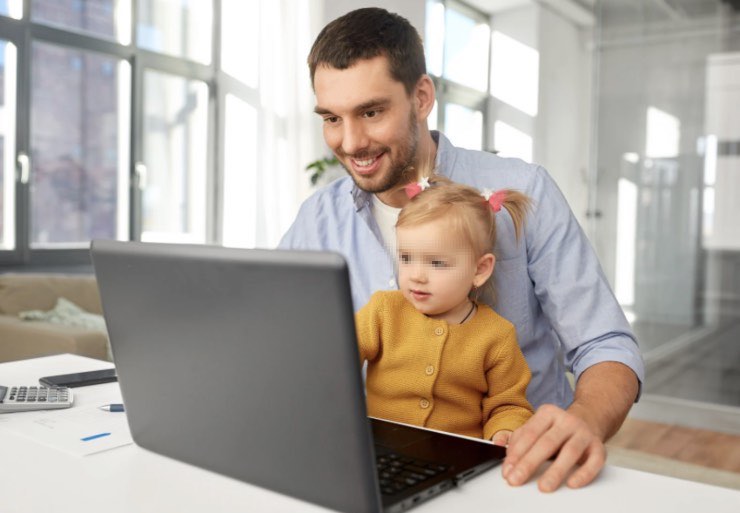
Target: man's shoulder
(482,169)
(339,190)
(315,225)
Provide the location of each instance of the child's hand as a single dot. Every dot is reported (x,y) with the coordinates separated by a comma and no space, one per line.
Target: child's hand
(501,437)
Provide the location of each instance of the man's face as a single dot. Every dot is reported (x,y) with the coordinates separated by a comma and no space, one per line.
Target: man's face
(369,122)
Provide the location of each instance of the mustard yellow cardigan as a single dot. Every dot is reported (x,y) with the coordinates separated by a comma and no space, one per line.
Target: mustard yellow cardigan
(469,378)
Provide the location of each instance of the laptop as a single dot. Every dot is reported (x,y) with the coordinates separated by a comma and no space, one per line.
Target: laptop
(245,362)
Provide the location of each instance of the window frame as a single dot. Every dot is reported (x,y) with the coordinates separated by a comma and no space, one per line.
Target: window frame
(449,91)
(23,33)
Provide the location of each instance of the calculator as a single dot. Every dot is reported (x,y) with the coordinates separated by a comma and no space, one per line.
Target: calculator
(34,397)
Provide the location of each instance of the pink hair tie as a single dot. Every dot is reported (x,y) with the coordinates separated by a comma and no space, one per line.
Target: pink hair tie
(494,199)
(415,188)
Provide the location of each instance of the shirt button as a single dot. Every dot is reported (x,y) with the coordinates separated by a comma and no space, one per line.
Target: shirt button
(439,330)
(429,370)
(424,403)
(391,282)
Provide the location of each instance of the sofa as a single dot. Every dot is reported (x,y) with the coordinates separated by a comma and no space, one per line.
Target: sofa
(21,339)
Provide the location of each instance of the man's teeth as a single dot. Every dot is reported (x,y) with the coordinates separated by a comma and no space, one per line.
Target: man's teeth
(365,163)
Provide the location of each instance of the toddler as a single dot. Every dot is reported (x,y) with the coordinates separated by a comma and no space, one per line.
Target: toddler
(436,356)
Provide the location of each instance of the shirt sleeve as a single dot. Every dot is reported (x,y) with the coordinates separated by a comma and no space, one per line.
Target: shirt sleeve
(507,374)
(303,233)
(571,287)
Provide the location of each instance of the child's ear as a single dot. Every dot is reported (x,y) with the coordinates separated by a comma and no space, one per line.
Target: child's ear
(484,269)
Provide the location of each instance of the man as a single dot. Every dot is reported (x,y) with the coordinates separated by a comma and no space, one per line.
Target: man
(374,96)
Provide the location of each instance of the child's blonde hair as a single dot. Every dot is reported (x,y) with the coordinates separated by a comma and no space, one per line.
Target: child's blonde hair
(466,209)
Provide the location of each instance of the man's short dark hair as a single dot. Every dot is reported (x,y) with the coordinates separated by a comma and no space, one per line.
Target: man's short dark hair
(367,33)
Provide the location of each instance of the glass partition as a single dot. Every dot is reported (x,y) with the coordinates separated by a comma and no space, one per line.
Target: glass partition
(668,160)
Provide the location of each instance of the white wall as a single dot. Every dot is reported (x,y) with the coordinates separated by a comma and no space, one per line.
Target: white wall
(562,135)
(561,128)
(520,24)
(412,10)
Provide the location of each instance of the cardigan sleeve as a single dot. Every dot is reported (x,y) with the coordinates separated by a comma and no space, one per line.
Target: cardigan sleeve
(506,406)
(368,323)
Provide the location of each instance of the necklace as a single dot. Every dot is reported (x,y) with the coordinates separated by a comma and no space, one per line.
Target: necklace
(472,307)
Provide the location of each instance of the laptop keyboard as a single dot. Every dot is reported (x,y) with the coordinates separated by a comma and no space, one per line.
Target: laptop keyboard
(397,472)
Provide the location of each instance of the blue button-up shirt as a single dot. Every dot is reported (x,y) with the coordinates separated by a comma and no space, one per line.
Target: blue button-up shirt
(549,284)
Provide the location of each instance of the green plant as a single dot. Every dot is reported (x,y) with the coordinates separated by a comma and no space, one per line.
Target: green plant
(319,167)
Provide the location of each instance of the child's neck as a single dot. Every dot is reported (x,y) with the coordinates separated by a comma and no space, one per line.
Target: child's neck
(458,315)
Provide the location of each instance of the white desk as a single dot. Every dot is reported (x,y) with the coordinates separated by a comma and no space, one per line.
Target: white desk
(37,478)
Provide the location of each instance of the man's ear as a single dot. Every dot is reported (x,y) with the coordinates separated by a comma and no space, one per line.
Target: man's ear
(424,96)
(484,269)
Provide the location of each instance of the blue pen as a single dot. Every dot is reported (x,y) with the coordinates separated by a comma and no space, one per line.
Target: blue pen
(112,407)
(94,437)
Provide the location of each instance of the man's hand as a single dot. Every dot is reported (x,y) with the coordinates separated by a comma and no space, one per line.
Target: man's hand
(604,395)
(550,430)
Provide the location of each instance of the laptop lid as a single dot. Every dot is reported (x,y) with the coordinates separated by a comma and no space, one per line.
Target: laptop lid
(243,362)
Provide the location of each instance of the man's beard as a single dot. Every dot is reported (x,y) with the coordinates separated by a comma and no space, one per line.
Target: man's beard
(401,166)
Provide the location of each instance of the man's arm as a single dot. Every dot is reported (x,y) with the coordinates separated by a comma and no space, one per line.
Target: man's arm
(603,397)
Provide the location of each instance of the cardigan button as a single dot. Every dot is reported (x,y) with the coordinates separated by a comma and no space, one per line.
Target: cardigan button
(439,330)
(424,404)
(429,370)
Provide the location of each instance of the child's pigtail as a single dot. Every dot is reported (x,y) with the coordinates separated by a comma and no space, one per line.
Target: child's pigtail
(515,203)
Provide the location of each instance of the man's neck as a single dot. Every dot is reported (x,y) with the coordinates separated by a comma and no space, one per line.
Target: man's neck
(426,153)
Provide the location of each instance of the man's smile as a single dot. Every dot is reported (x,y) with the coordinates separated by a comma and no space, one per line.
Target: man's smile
(366,165)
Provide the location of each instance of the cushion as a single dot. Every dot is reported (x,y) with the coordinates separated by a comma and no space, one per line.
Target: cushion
(67,313)
(20,292)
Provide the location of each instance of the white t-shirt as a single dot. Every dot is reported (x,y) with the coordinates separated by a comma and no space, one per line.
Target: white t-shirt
(386,218)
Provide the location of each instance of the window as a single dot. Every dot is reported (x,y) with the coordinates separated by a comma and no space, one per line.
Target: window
(487,81)
(175,157)
(109,19)
(8,57)
(466,48)
(514,73)
(181,28)
(464,126)
(457,45)
(511,142)
(12,8)
(240,22)
(240,174)
(78,146)
(142,120)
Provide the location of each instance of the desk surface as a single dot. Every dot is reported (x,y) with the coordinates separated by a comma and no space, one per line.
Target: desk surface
(34,477)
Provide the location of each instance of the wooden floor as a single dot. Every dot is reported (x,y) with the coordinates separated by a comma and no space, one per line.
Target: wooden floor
(696,446)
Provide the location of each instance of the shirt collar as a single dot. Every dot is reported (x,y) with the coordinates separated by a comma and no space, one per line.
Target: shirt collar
(442,162)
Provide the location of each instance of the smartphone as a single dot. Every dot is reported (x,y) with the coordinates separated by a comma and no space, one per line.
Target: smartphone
(80,379)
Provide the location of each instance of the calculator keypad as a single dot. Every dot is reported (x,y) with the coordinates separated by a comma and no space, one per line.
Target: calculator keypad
(20,398)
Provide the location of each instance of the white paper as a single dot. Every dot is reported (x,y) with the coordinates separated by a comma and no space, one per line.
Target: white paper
(79,430)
